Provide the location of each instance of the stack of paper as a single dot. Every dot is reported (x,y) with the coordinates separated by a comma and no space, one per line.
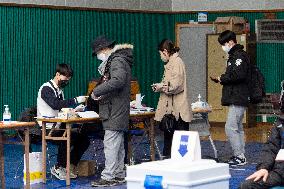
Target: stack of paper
(141,110)
(88,114)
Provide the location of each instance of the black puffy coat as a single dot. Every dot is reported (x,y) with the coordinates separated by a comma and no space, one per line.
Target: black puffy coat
(274,144)
(234,80)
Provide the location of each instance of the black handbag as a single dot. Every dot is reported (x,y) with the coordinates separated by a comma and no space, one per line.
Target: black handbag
(168,123)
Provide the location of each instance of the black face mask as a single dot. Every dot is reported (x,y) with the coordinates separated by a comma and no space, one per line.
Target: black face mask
(63,83)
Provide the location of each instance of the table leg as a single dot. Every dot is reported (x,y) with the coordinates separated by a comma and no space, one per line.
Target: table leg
(68,129)
(27,152)
(129,150)
(2,161)
(43,152)
(152,139)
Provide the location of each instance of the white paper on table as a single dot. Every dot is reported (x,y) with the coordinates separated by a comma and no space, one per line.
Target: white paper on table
(133,112)
(138,101)
(141,109)
(280,155)
(88,114)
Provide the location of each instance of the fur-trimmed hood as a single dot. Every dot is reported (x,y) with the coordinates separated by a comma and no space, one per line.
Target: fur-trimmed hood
(124,51)
(122,46)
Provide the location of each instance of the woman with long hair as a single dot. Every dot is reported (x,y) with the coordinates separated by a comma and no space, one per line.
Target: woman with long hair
(174,93)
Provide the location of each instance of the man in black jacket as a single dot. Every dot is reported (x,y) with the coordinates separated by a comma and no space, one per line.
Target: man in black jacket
(269,172)
(235,94)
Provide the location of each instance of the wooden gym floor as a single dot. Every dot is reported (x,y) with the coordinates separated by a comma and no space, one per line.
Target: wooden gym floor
(258,133)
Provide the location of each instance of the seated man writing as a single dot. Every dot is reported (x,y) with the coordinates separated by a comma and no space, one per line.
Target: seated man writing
(50,101)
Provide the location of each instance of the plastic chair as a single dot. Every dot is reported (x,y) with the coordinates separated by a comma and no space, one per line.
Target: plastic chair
(95,134)
(276,102)
(143,134)
(131,149)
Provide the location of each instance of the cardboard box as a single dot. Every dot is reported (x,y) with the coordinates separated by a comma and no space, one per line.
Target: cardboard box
(86,168)
(233,23)
(172,174)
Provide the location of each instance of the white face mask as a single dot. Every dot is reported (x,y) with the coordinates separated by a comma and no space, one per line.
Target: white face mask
(102,56)
(163,57)
(226,48)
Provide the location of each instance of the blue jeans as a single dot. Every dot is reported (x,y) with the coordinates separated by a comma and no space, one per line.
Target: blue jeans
(234,129)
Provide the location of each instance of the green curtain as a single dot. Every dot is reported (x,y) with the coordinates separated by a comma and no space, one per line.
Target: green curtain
(34,40)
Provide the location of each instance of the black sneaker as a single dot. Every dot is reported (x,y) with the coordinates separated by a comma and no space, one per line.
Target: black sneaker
(103,183)
(120,180)
(236,161)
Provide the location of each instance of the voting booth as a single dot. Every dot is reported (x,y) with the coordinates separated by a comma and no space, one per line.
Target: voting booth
(185,169)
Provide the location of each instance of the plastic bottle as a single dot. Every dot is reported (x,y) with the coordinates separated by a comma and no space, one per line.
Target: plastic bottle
(6,115)
(199,98)
(199,102)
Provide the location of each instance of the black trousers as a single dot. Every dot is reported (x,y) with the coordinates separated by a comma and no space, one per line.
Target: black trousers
(79,143)
(168,136)
(273,179)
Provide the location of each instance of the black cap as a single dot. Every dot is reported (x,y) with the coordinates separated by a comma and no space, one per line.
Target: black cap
(101,43)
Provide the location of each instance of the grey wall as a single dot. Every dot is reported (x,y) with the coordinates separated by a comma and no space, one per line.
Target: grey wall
(184,5)
(162,5)
(274,4)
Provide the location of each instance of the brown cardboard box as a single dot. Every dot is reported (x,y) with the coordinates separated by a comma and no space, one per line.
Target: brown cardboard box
(86,168)
(233,23)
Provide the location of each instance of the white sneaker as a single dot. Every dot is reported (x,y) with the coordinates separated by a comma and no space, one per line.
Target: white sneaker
(58,172)
(73,175)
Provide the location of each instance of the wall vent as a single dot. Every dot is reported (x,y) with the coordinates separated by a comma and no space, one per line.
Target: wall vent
(269,31)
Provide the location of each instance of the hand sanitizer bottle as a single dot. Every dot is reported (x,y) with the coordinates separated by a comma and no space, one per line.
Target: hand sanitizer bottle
(199,98)
(6,115)
(200,104)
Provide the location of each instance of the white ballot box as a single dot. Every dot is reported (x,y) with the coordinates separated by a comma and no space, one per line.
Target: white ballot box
(173,174)
(185,169)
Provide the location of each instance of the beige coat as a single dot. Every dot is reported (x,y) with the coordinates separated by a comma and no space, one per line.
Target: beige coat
(175,77)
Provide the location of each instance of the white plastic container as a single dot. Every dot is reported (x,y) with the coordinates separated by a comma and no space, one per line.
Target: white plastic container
(138,101)
(6,115)
(170,174)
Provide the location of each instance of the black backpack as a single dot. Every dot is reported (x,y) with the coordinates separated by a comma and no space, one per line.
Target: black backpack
(256,85)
